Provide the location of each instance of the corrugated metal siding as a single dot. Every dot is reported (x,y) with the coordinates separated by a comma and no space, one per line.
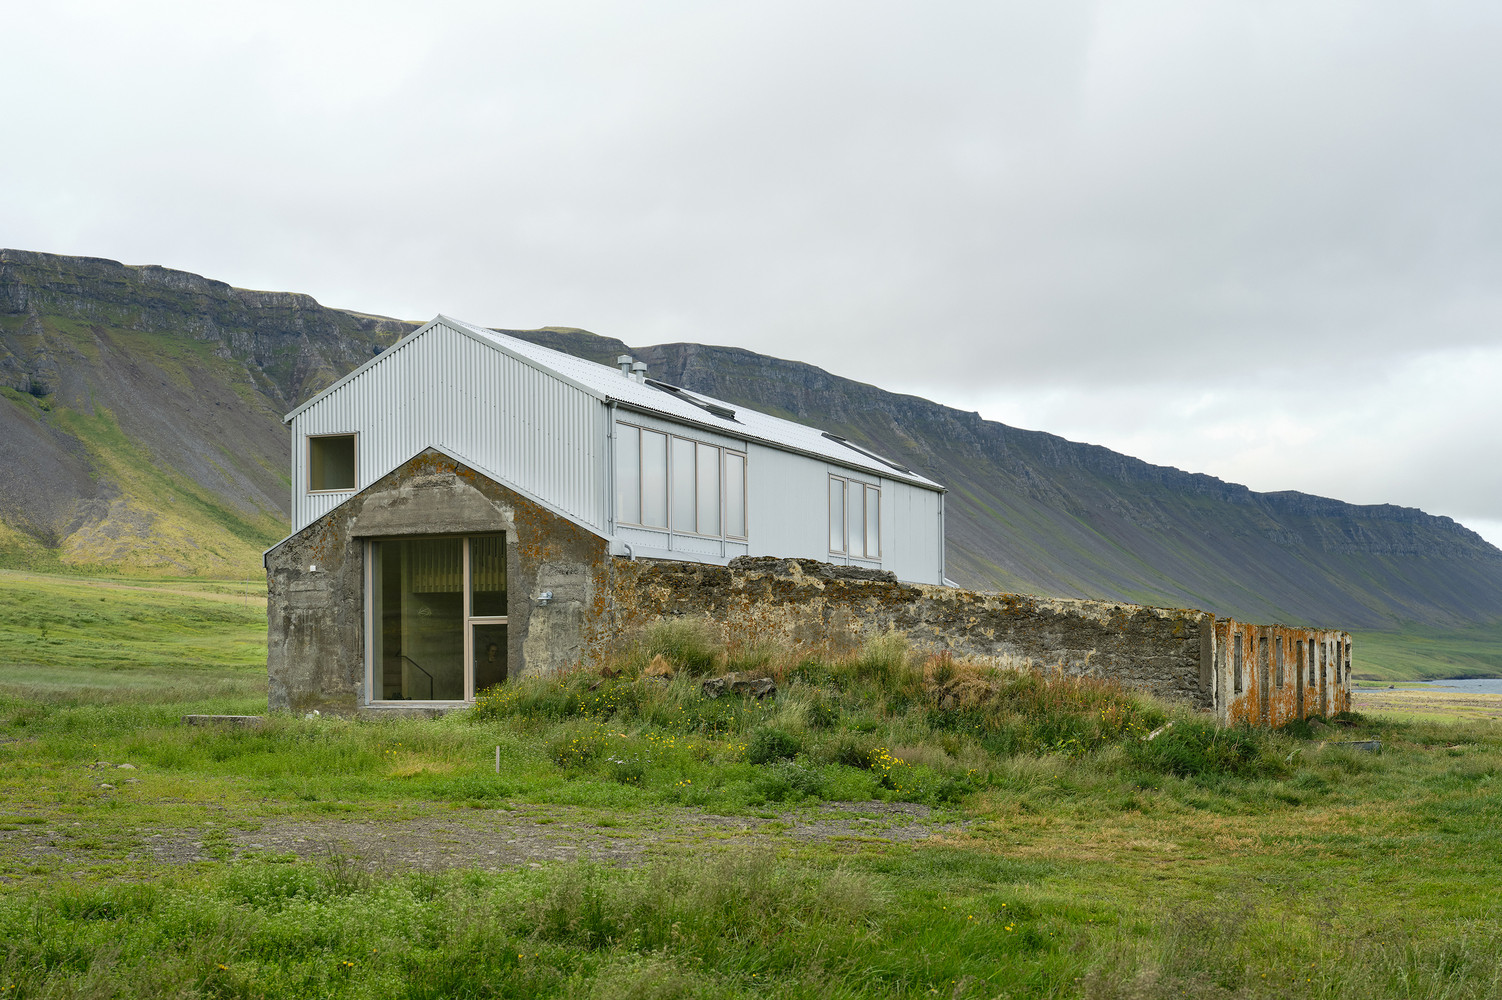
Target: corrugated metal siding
(448,391)
(915,533)
(656,423)
(695,548)
(787,504)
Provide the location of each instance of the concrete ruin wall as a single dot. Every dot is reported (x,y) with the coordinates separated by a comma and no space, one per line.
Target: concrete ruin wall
(316,580)
(1270,674)
(816,608)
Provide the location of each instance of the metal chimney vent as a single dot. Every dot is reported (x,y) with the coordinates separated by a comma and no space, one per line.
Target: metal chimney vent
(640,371)
(624,361)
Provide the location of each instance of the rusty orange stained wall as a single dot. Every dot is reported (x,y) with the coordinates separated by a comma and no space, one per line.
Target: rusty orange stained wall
(1266,675)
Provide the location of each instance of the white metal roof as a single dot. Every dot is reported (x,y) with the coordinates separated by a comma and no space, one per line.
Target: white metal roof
(609,385)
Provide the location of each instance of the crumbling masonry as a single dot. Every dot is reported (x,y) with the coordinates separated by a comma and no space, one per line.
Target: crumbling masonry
(1258,674)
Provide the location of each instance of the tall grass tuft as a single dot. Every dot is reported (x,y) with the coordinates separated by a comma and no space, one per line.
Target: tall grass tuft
(880,723)
(688,643)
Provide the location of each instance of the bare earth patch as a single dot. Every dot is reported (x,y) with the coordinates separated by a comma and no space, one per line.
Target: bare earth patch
(490,839)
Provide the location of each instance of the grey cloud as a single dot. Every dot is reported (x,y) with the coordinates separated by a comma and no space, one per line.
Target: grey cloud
(1128,202)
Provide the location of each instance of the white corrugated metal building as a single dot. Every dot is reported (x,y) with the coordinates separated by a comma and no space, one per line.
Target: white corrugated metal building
(655,470)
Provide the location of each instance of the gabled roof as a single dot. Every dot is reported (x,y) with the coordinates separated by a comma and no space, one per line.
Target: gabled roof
(609,385)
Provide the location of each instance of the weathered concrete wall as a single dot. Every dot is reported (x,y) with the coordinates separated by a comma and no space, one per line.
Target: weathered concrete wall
(316,580)
(1270,674)
(817,608)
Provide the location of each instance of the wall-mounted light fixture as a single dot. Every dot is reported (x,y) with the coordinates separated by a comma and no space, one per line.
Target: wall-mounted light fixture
(544,597)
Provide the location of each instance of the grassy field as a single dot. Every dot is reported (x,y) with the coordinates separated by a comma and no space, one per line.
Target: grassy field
(1415,653)
(1025,837)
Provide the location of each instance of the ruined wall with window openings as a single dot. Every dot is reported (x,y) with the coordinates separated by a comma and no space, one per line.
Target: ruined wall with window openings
(1268,674)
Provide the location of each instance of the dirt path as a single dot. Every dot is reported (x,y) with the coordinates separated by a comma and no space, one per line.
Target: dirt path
(489,839)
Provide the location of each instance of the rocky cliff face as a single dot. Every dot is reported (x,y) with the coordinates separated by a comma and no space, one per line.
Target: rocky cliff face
(287,342)
(141,417)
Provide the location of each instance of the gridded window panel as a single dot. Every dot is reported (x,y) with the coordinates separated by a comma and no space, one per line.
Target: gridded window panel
(708,481)
(431,599)
(487,576)
(488,653)
(418,637)
(654,479)
(628,474)
(685,509)
(670,482)
(873,523)
(855,520)
(836,515)
(735,495)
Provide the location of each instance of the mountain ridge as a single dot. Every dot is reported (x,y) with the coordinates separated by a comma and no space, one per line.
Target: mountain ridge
(126,384)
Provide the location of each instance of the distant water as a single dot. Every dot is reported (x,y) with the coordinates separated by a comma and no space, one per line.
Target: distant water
(1474,685)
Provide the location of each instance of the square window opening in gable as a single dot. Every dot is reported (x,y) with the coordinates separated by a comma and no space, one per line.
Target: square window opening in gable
(331,463)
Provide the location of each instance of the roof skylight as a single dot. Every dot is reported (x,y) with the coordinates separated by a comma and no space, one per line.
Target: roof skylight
(709,406)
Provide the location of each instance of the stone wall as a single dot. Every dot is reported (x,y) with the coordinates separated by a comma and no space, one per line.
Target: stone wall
(817,608)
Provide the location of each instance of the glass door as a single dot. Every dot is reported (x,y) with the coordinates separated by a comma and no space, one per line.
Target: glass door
(437,619)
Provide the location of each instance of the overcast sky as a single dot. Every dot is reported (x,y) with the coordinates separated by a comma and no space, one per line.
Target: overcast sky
(1261,240)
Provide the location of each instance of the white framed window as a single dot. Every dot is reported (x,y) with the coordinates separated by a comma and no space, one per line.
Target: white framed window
(854,518)
(669,482)
(331,462)
(435,617)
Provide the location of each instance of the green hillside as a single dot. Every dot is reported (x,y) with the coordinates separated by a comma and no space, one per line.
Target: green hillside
(141,413)
(140,429)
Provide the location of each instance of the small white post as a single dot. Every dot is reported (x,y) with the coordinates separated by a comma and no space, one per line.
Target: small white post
(497,760)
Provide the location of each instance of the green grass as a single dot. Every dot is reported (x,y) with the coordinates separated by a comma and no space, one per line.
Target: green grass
(84,641)
(1084,860)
